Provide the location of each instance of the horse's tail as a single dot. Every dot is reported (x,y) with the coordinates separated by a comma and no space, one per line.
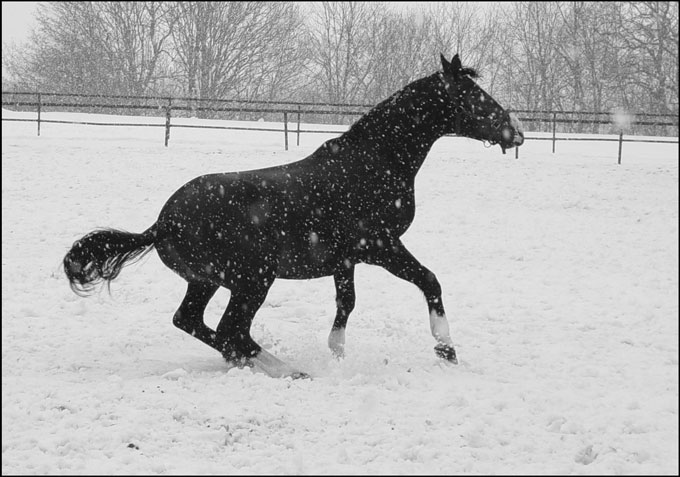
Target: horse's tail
(100,255)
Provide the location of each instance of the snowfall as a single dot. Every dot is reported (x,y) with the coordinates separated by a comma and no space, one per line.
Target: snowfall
(560,279)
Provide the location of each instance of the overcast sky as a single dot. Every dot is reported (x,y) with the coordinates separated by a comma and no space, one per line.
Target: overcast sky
(17,20)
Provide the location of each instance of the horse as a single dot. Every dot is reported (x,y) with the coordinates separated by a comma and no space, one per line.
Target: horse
(347,203)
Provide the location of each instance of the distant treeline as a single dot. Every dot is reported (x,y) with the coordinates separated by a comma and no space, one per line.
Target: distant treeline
(563,56)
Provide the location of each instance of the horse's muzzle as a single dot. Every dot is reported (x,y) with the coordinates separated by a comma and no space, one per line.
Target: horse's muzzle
(511,138)
(517,130)
(518,138)
(512,133)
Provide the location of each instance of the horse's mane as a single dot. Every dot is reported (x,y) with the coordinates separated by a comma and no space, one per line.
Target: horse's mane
(471,72)
(390,106)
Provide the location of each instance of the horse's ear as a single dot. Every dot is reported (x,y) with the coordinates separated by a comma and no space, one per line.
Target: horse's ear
(446,66)
(453,68)
(455,63)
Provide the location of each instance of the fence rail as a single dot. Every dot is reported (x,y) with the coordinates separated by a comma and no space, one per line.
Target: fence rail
(157,106)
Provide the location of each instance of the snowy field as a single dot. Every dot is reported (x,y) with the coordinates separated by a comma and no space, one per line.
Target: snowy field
(560,278)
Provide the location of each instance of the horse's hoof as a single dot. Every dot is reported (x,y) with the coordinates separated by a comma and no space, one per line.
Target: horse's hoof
(446,352)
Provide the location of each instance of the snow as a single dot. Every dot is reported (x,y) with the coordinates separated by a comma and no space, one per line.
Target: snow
(622,119)
(560,279)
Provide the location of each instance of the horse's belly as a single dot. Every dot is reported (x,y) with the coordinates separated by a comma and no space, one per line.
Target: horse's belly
(300,260)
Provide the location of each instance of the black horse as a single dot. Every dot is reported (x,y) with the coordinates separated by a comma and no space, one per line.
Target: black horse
(347,203)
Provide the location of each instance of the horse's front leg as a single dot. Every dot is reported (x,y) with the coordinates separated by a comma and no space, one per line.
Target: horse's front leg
(396,259)
(345,299)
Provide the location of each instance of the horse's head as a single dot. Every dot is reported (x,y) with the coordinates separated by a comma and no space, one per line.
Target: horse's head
(475,113)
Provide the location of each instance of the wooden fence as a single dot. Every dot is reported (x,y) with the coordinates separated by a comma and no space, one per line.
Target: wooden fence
(292,113)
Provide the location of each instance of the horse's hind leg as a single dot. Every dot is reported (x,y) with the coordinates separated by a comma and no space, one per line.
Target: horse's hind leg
(233,332)
(345,299)
(189,316)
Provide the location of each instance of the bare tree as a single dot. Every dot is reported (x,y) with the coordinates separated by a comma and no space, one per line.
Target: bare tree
(477,33)
(453,27)
(15,74)
(394,54)
(282,66)
(491,46)
(585,49)
(96,47)
(134,37)
(60,56)
(339,34)
(572,55)
(235,49)
(649,35)
(533,70)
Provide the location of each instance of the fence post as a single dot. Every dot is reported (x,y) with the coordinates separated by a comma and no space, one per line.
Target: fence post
(298,131)
(167,121)
(285,127)
(620,145)
(39,110)
(554,124)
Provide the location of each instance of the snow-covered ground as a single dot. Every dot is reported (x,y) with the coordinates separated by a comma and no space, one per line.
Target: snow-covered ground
(560,278)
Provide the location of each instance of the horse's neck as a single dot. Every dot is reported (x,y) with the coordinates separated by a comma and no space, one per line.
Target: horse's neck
(402,129)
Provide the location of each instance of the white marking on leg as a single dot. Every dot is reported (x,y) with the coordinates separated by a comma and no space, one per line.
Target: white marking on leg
(272,365)
(336,342)
(439,326)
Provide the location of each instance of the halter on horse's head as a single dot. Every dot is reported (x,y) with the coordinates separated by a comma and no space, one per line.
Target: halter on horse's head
(475,113)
